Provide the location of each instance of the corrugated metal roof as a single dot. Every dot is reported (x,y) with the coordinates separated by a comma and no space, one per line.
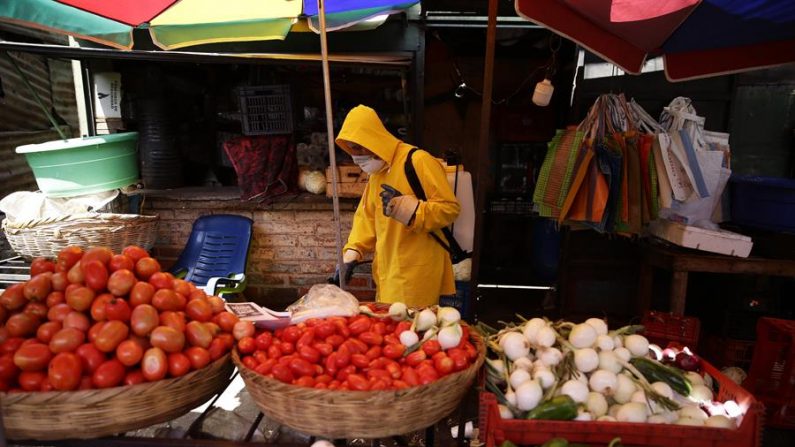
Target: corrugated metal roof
(15,174)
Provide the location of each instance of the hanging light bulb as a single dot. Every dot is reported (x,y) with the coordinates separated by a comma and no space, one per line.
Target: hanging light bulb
(543,93)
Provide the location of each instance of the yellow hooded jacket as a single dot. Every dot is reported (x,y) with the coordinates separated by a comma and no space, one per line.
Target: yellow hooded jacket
(409,265)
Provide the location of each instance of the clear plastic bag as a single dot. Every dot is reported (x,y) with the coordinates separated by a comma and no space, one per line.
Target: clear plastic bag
(324,300)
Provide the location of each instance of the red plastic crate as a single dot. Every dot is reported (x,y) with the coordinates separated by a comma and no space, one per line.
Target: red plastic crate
(663,328)
(772,374)
(748,434)
(724,352)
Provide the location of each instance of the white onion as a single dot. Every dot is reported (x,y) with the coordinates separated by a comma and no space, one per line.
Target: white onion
(505,412)
(605,343)
(596,404)
(514,345)
(510,397)
(518,377)
(663,389)
(693,412)
(623,354)
(639,396)
(606,418)
(525,363)
(632,412)
(425,320)
(583,416)
(398,311)
(528,395)
(638,345)
(531,329)
(598,324)
(694,378)
(450,336)
(624,389)
(603,381)
(618,341)
(545,377)
(582,336)
(549,356)
(613,410)
(497,365)
(586,359)
(322,443)
(609,361)
(545,337)
(657,419)
(701,394)
(690,421)
(576,390)
(409,338)
(448,315)
(720,421)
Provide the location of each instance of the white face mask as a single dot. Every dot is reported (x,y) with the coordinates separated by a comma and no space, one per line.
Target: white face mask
(368,163)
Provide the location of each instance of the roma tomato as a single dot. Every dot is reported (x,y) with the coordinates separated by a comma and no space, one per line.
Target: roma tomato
(309,354)
(199,310)
(47,330)
(13,297)
(101,254)
(173,319)
(431,347)
(178,364)
(31,380)
(146,267)
(121,262)
(246,345)
(324,329)
(69,256)
(32,357)
(36,309)
(129,352)
(167,299)
(459,358)
(282,373)
(22,325)
(154,364)
(141,293)
(117,309)
(359,324)
(11,345)
(291,334)
(64,371)
(358,382)
(80,298)
(394,351)
(360,361)
(444,365)
(144,319)
(183,287)
(167,338)
(59,312)
(95,275)
(217,349)
(110,335)
(199,335)
(135,252)
(415,358)
(75,274)
(93,331)
(371,338)
(90,357)
(109,374)
(77,320)
(41,265)
(162,280)
(8,369)
(59,281)
(55,297)
(226,321)
(264,340)
(67,339)
(98,307)
(216,303)
(199,357)
(38,287)
(121,282)
(134,377)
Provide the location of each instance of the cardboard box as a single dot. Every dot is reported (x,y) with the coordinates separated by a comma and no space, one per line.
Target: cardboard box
(351,181)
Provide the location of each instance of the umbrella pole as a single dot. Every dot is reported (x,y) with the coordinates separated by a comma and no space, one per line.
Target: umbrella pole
(332,153)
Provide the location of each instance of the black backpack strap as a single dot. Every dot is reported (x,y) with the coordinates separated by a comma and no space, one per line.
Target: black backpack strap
(456,253)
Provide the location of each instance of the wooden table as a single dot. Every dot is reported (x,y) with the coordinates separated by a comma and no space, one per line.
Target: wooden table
(680,262)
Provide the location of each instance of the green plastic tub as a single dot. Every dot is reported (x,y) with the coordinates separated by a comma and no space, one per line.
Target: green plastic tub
(65,168)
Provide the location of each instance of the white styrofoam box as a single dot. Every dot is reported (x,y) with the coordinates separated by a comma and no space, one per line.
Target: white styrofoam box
(719,241)
(107,95)
(464,225)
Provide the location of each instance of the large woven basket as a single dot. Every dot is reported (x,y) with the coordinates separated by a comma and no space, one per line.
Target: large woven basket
(96,413)
(360,414)
(46,237)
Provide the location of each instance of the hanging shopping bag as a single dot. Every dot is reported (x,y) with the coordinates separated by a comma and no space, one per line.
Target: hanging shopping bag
(556,174)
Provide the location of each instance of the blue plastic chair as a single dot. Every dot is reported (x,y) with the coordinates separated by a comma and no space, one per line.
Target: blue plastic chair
(214,258)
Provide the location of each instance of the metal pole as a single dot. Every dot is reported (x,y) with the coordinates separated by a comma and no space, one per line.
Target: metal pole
(332,155)
(483,145)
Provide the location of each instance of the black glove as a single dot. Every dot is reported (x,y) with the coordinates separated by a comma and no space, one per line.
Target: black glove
(346,271)
(387,195)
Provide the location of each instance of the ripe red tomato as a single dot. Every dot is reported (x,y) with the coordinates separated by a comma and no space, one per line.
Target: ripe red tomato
(263,340)
(32,380)
(371,338)
(394,350)
(121,282)
(226,321)
(146,267)
(80,298)
(335,340)
(167,299)
(199,357)
(415,358)
(167,339)
(427,374)
(324,329)
(135,252)
(41,265)
(55,297)
(8,369)
(246,345)
(69,256)
(59,281)
(198,334)
(444,365)
(162,280)
(67,339)
(216,303)
(36,309)
(93,331)
(357,382)
(85,383)
(431,347)
(283,373)
(90,357)
(459,358)
(22,325)
(243,329)
(141,293)
(121,262)
(64,371)
(109,374)
(178,364)
(309,354)
(59,312)
(200,310)
(306,381)
(95,274)
(32,357)
(110,335)
(47,330)
(117,309)
(217,349)
(13,297)
(143,320)
(359,324)
(182,287)
(173,319)
(11,345)
(101,254)
(38,287)
(154,365)
(129,352)
(227,339)
(134,377)
(77,320)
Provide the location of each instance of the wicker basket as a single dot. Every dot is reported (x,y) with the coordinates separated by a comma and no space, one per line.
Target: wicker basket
(46,237)
(360,414)
(96,413)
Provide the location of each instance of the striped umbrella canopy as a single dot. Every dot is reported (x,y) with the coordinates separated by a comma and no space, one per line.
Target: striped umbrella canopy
(176,24)
(696,38)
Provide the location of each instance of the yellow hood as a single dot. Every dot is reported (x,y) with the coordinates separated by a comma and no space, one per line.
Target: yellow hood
(362,126)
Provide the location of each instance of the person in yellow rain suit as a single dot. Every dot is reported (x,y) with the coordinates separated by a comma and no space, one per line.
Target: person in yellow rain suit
(409,265)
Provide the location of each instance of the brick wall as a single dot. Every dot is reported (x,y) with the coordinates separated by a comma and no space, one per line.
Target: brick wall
(293,245)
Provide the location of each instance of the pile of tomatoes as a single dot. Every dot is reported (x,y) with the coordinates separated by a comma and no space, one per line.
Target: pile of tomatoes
(96,319)
(357,353)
